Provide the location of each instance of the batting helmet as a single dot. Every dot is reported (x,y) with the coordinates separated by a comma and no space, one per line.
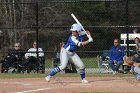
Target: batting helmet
(76,27)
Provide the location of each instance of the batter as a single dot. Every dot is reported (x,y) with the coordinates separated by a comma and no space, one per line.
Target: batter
(68,52)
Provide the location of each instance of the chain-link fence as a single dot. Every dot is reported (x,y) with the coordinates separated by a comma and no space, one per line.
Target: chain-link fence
(48,23)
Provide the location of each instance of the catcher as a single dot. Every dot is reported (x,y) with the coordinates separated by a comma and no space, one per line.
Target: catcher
(134,61)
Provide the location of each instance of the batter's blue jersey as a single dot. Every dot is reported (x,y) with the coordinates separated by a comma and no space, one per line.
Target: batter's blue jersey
(72,44)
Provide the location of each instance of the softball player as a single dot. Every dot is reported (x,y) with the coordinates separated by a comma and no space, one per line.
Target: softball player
(68,51)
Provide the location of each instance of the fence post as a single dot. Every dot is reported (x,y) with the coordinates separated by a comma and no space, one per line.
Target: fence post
(126,24)
(37,27)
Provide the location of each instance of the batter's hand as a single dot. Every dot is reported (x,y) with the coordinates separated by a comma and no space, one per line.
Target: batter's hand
(88,33)
(89,36)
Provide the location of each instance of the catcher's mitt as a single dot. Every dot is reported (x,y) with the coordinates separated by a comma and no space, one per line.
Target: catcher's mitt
(128,61)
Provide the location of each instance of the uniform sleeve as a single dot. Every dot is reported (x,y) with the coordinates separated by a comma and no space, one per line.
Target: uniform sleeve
(75,41)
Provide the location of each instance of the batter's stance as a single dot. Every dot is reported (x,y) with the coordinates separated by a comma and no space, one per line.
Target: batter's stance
(68,51)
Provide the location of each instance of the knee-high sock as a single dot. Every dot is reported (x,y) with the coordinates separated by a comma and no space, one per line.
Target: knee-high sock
(82,73)
(54,71)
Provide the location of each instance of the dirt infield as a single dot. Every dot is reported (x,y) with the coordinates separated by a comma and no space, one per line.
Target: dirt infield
(69,85)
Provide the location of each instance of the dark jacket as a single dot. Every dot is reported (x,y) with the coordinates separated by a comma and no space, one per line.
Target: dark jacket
(15,54)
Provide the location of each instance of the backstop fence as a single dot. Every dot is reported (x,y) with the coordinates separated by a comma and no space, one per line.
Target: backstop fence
(48,23)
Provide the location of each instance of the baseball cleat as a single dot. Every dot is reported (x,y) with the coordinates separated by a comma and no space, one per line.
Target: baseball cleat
(48,78)
(84,81)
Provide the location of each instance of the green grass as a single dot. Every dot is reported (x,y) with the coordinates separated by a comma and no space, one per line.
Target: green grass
(37,75)
(90,62)
(48,63)
(12,75)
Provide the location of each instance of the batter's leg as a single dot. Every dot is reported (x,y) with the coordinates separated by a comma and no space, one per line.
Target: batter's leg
(64,60)
(78,62)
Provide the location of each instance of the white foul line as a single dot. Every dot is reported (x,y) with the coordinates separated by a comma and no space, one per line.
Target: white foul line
(25,84)
(33,90)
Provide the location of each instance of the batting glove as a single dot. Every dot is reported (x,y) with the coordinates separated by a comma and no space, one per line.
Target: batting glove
(89,38)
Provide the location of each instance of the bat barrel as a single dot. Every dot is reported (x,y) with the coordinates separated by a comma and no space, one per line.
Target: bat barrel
(77,21)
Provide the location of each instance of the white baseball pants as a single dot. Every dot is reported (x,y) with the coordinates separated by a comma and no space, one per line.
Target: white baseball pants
(66,55)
